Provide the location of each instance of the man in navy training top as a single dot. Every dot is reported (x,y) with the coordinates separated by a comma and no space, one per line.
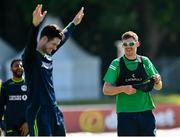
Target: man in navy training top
(13,102)
(43,115)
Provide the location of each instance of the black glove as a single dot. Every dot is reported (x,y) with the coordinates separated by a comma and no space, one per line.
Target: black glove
(145,86)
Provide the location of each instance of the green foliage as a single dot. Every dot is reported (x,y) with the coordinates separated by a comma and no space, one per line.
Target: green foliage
(165,14)
(103,23)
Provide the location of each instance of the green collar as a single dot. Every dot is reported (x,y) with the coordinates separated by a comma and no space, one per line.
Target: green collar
(42,53)
(129,59)
(17,81)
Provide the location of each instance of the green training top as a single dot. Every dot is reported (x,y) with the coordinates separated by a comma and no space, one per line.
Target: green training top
(138,102)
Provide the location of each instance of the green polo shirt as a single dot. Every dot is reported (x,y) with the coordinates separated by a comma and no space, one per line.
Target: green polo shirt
(138,102)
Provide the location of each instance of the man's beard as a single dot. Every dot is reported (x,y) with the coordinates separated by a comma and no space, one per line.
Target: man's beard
(18,74)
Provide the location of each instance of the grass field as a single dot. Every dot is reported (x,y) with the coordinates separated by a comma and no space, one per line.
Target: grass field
(167,99)
(158,98)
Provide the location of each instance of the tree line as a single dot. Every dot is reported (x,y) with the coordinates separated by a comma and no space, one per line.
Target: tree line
(155,21)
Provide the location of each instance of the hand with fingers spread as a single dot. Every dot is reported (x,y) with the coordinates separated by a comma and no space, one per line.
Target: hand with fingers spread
(77,19)
(38,15)
(24,129)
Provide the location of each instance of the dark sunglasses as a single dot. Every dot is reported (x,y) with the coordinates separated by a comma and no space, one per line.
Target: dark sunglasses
(129,43)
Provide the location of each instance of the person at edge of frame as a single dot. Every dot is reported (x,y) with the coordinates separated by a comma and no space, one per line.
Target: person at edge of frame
(13,102)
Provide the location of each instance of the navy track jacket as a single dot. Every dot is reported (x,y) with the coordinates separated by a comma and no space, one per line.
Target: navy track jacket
(39,70)
(13,102)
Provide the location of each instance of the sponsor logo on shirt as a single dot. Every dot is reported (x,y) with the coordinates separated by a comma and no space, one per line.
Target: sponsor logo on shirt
(17,97)
(24,88)
(46,65)
(48,57)
(133,78)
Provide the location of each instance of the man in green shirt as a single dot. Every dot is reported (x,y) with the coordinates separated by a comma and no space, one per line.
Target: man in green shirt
(130,78)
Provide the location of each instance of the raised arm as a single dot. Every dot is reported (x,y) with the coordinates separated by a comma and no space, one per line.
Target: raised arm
(67,31)
(30,48)
(76,21)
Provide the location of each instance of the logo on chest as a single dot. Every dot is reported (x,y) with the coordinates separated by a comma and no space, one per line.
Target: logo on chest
(24,88)
(47,65)
(133,78)
(18,98)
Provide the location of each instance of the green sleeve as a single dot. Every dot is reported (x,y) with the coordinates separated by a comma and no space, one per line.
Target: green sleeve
(149,67)
(113,72)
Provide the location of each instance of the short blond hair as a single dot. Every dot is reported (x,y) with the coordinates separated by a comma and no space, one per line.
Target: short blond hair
(129,34)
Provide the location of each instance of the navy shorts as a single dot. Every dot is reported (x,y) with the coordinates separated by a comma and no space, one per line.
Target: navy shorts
(45,121)
(136,124)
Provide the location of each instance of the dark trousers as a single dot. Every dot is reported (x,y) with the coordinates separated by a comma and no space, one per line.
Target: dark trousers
(45,121)
(136,124)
